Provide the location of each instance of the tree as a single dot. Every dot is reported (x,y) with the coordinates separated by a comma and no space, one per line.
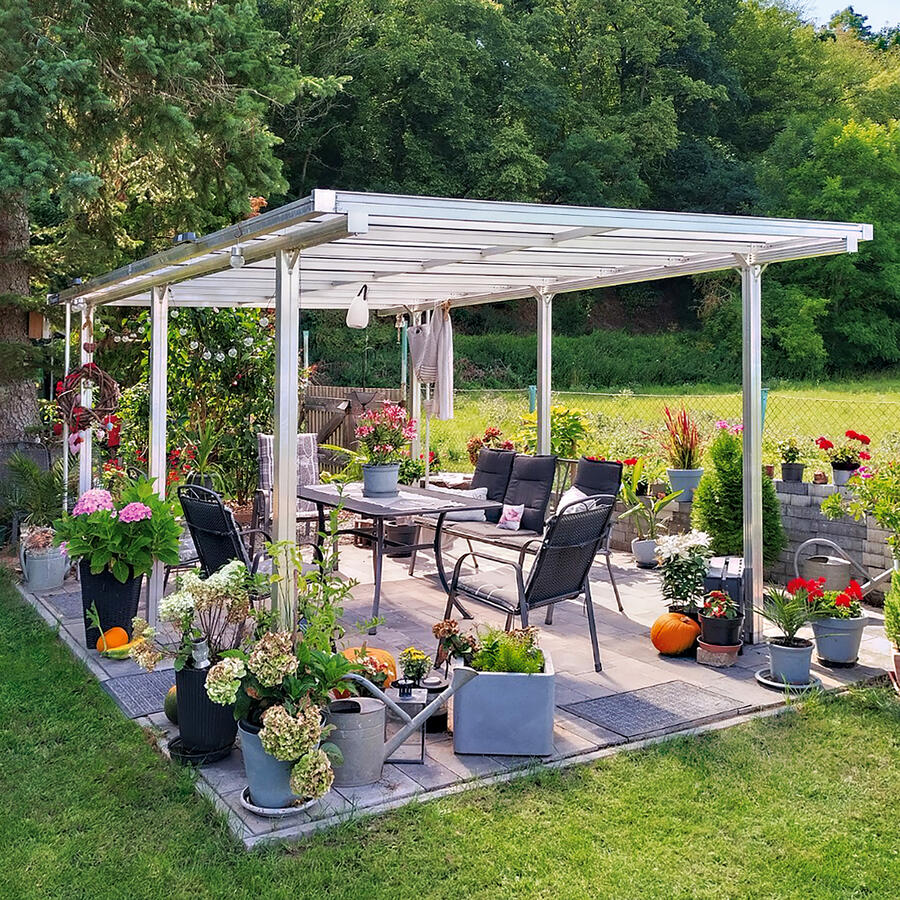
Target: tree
(120,123)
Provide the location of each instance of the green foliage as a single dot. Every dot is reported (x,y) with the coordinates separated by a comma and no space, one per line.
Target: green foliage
(719,501)
(892,611)
(507,651)
(646,511)
(32,491)
(789,613)
(568,427)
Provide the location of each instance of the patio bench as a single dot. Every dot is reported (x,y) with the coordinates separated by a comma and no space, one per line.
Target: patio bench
(512,478)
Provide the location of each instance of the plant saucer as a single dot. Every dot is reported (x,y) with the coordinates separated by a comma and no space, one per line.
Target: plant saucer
(764,677)
(270,812)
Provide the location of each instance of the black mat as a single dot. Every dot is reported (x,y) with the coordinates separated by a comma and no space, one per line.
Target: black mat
(140,695)
(656,708)
(66,603)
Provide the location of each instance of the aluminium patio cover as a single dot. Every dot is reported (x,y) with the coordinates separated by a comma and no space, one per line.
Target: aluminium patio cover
(317,252)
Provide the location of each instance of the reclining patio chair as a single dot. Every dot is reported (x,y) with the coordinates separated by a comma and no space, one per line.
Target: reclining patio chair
(560,570)
(214,531)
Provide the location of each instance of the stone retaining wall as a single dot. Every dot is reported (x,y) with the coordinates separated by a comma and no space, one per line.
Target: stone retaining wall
(865,542)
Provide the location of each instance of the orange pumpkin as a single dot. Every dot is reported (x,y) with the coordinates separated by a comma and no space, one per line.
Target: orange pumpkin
(673,633)
(112,638)
(381,655)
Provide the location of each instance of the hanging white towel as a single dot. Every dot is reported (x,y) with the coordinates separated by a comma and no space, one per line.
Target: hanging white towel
(431,353)
(423,352)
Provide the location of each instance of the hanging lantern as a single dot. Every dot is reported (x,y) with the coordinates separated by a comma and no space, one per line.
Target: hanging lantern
(358,311)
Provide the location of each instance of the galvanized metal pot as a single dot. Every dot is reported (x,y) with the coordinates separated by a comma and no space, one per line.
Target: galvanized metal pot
(44,569)
(269,778)
(838,640)
(790,664)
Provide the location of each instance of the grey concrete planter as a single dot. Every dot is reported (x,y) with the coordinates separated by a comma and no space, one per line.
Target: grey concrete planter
(506,713)
(792,471)
(685,480)
(644,552)
(837,640)
(790,664)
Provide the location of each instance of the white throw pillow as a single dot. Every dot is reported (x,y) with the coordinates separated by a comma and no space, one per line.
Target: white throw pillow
(511,517)
(570,496)
(465,515)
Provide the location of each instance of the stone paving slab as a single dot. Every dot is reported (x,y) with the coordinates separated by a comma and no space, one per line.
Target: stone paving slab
(140,695)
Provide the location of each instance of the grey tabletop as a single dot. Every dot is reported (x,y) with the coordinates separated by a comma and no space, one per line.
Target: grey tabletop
(410,501)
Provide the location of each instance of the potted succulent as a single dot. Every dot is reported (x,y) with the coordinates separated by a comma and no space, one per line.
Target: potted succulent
(116,543)
(683,445)
(683,561)
(508,709)
(892,625)
(789,610)
(383,433)
(838,633)
(646,514)
(38,496)
(790,453)
(720,620)
(209,617)
(847,456)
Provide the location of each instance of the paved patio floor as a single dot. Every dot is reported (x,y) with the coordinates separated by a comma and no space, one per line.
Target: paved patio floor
(648,697)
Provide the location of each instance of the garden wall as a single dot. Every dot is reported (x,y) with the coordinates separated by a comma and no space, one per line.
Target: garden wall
(864,542)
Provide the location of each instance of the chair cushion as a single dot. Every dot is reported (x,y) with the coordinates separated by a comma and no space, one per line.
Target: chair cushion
(497,586)
(598,476)
(570,499)
(489,533)
(307,464)
(465,515)
(530,484)
(493,471)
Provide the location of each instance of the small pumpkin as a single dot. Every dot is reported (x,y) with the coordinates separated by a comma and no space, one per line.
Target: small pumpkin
(112,638)
(170,705)
(673,633)
(381,655)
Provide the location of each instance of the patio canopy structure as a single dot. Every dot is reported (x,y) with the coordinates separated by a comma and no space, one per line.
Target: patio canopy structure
(316,253)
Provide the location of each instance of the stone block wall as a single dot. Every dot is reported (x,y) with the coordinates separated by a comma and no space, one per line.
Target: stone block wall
(864,541)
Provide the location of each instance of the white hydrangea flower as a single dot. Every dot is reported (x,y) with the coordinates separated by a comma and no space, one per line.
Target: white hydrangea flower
(175,606)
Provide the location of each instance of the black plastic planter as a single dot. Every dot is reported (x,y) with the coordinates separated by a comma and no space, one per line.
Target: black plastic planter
(721,632)
(116,603)
(205,726)
(792,471)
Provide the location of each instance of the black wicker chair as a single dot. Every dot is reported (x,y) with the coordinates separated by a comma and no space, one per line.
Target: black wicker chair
(560,571)
(214,531)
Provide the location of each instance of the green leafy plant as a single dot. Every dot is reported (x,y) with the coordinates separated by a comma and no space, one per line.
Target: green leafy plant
(683,562)
(492,439)
(205,442)
(789,450)
(415,664)
(508,651)
(126,536)
(788,612)
(681,440)
(719,605)
(568,427)
(645,511)
(29,489)
(718,507)
(892,611)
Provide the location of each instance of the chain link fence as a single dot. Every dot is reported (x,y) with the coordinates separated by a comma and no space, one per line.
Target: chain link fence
(624,424)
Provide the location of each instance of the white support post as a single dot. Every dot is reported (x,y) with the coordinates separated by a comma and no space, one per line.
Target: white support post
(67,364)
(86,447)
(159,359)
(751,297)
(287,352)
(416,404)
(544,378)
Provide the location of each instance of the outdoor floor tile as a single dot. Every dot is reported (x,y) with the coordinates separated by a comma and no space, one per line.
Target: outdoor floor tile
(394,785)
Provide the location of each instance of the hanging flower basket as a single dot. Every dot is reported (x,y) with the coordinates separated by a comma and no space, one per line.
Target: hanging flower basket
(104,401)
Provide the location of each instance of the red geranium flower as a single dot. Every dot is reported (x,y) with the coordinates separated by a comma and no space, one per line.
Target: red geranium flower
(852,435)
(843,599)
(864,455)
(854,590)
(57,428)
(796,584)
(631,461)
(864,439)
(824,444)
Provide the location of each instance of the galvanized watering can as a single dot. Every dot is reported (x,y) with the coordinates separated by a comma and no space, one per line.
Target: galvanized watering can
(359,727)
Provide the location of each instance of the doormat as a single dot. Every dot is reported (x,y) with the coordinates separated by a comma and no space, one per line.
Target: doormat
(660,707)
(66,604)
(140,695)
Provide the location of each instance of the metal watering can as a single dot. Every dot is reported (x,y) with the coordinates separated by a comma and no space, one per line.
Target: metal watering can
(359,726)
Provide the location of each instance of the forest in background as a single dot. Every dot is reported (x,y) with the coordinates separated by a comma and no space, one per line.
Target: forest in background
(124,123)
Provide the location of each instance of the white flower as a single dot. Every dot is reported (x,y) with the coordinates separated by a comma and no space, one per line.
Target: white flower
(175,606)
(224,679)
(672,546)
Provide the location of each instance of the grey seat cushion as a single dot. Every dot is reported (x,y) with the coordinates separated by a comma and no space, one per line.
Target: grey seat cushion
(490,533)
(492,471)
(491,585)
(530,483)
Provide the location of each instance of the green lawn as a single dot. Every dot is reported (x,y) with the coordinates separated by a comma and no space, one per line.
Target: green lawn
(801,806)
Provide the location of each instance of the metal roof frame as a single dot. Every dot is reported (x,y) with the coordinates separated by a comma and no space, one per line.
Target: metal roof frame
(414,251)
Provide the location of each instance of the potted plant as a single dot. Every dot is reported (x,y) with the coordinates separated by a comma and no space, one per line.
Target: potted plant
(508,709)
(384,433)
(683,445)
(790,453)
(846,456)
(839,632)
(892,625)
(789,610)
(492,439)
(199,455)
(280,681)
(415,665)
(683,561)
(646,514)
(116,543)
(38,495)
(209,617)
(720,620)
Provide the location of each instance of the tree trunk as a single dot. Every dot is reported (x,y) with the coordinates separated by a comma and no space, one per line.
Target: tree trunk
(18,391)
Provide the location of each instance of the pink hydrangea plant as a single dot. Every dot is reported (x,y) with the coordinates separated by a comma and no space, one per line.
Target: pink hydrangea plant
(92,501)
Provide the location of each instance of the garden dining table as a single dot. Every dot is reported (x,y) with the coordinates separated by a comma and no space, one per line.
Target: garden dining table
(410,501)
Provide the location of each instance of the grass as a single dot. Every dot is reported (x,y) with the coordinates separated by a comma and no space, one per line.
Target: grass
(618,421)
(799,806)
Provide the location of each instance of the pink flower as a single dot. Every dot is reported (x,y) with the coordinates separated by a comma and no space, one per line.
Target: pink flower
(135,512)
(721,424)
(738,429)
(92,501)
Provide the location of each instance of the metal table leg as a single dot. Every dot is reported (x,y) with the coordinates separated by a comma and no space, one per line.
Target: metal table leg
(318,554)
(377,563)
(439,560)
